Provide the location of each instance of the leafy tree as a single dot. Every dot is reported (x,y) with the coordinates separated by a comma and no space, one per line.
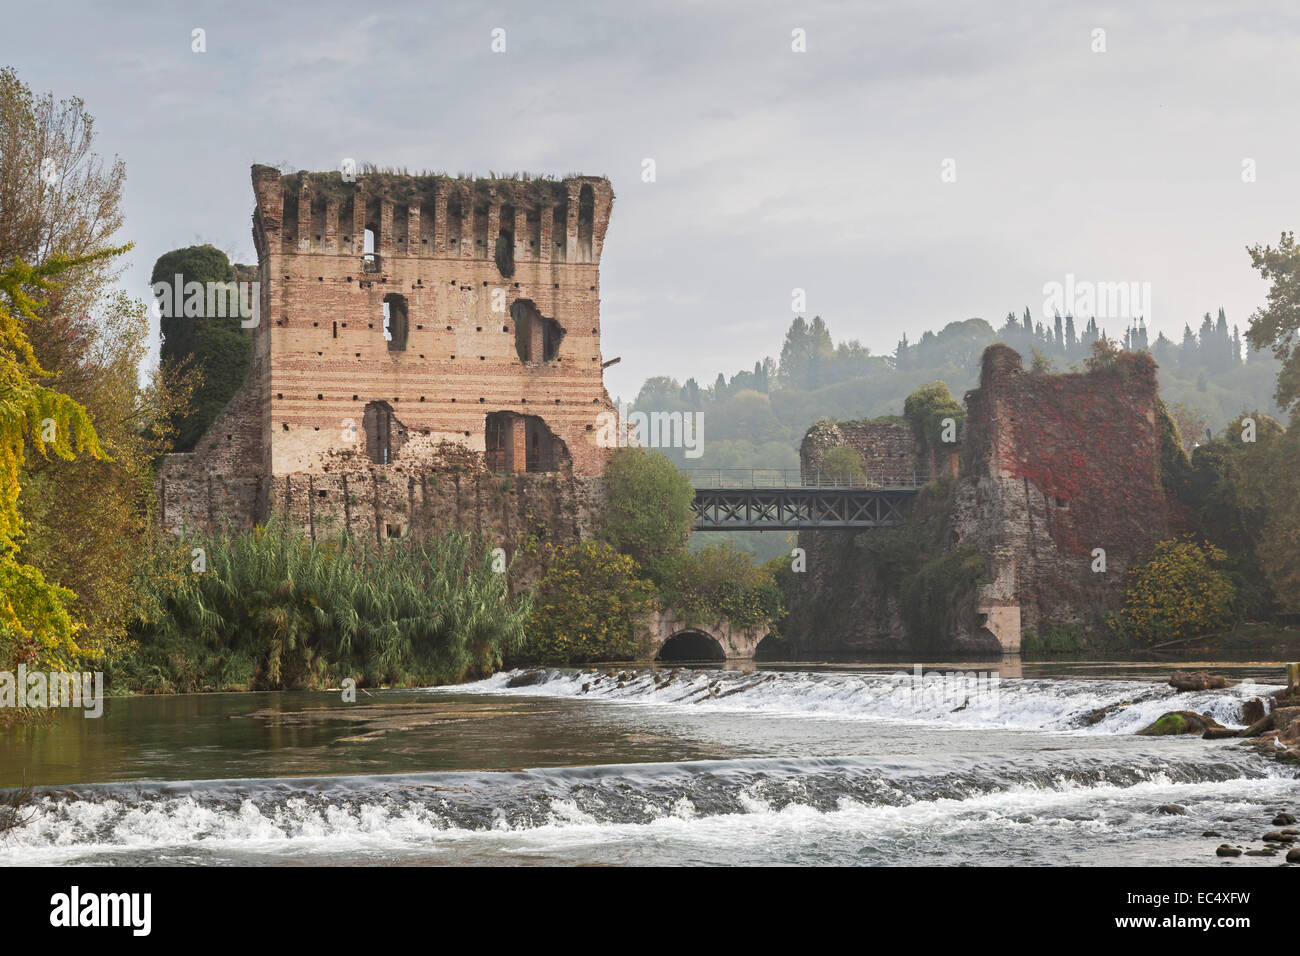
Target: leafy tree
(591,605)
(648,515)
(87,522)
(719,581)
(218,348)
(1277,324)
(1180,592)
(35,623)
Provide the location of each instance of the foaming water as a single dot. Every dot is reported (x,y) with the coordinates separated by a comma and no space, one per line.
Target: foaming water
(667,767)
(810,810)
(966,700)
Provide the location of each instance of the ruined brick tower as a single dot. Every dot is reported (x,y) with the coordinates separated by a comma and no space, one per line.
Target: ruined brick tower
(409,326)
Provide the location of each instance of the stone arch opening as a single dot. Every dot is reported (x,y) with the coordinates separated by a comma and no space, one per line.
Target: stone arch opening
(772,648)
(514,444)
(691,645)
(385,435)
(537,338)
(586,222)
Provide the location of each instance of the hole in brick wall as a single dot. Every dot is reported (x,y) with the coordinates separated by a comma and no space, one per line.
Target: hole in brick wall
(279,395)
(453,401)
(449,328)
(316,428)
(421,398)
(396,322)
(229,437)
(523,401)
(320,398)
(315,325)
(336,330)
(349,278)
(345,325)
(420,328)
(505,328)
(320,494)
(384,434)
(480,401)
(320,278)
(482,358)
(354,398)
(284,425)
(478,328)
(557,401)
(357,354)
(453,358)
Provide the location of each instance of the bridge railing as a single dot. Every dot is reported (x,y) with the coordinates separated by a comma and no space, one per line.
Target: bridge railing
(794,478)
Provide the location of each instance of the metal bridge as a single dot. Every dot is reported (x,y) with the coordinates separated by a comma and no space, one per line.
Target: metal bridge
(775,500)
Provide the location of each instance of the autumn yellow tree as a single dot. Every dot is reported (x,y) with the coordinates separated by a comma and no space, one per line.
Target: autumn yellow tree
(35,624)
(1180,592)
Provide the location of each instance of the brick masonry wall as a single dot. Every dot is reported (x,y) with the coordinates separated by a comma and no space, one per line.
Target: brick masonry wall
(320,354)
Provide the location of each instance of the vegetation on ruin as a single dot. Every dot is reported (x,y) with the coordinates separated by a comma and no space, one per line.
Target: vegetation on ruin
(929,409)
(934,587)
(1181,591)
(267,609)
(758,416)
(217,349)
(844,464)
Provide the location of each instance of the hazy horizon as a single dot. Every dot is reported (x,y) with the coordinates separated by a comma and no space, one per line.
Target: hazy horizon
(776,170)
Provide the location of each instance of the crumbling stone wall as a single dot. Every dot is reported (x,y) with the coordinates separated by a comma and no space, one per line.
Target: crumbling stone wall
(1055,467)
(490,292)
(1051,467)
(891,455)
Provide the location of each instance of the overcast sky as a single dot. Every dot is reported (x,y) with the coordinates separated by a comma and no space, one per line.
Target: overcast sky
(821,170)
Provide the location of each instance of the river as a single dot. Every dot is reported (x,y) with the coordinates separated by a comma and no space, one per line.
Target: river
(779,765)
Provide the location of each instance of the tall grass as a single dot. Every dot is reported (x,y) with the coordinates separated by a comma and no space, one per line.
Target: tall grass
(272,611)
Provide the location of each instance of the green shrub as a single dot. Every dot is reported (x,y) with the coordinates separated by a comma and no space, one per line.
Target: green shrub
(273,611)
(716,582)
(591,605)
(1180,592)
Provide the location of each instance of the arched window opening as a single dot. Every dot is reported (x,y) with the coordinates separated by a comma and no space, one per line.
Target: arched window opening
(505,247)
(397,323)
(385,435)
(369,258)
(586,222)
(560,232)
